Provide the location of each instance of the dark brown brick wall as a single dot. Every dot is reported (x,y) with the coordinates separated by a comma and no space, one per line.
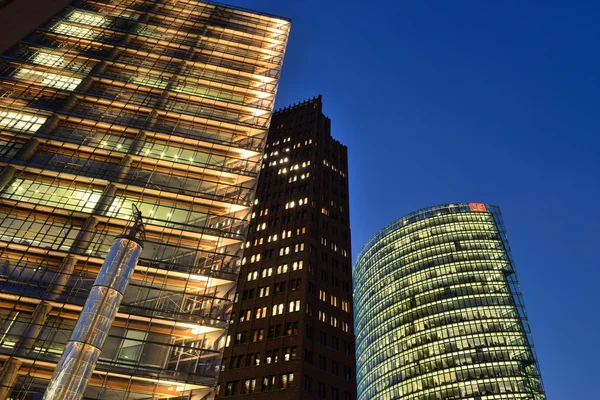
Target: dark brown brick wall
(20,17)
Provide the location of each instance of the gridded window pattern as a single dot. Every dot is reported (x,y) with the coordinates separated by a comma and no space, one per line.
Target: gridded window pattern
(438,310)
(161,104)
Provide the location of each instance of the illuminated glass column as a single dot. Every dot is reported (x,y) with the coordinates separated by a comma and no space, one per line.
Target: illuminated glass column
(161,104)
(439,313)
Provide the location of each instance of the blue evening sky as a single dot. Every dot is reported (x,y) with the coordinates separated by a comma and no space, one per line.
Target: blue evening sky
(484,101)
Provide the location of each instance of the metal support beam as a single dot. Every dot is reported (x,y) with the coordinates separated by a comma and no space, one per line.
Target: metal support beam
(6,176)
(125,166)
(108,195)
(38,319)
(9,376)
(84,238)
(26,152)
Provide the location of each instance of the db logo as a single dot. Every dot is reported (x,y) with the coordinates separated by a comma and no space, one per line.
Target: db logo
(477,207)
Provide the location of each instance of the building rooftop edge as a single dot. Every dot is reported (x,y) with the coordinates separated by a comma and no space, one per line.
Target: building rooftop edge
(264,14)
(460,207)
(318,98)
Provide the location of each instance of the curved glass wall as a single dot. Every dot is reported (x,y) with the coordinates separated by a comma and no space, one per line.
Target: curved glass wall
(439,313)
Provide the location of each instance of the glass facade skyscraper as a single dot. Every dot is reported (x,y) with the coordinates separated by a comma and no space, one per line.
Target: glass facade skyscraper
(160,104)
(439,313)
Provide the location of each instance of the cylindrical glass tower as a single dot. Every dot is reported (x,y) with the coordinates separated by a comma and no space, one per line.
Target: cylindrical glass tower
(439,313)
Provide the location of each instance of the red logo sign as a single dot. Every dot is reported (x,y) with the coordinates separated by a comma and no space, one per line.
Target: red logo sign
(477,207)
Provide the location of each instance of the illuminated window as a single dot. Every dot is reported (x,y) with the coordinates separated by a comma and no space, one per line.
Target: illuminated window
(282,269)
(345,306)
(48,79)
(73,30)
(287,380)
(150,80)
(322,316)
(333,322)
(86,18)
(289,353)
(52,195)
(252,276)
(249,386)
(51,60)
(261,312)
(322,295)
(20,122)
(277,309)
(268,383)
(267,272)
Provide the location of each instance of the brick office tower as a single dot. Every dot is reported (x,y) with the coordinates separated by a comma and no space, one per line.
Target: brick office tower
(291,333)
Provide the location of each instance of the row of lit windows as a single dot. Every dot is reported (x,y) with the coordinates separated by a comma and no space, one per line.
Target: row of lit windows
(267,272)
(370,353)
(286,149)
(283,251)
(70,83)
(377,326)
(273,238)
(294,178)
(71,197)
(334,300)
(395,303)
(415,348)
(395,270)
(300,202)
(271,356)
(261,312)
(401,229)
(294,167)
(333,321)
(445,362)
(268,383)
(394,296)
(19,121)
(100,21)
(428,279)
(378,368)
(480,374)
(334,168)
(502,388)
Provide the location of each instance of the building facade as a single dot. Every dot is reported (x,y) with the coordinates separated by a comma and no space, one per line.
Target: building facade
(161,104)
(291,333)
(439,313)
(20,17)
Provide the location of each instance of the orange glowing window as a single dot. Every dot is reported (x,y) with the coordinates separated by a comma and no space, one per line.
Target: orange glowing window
(477,207)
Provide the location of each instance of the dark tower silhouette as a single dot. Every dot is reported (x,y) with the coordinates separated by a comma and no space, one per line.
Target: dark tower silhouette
(291,333)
